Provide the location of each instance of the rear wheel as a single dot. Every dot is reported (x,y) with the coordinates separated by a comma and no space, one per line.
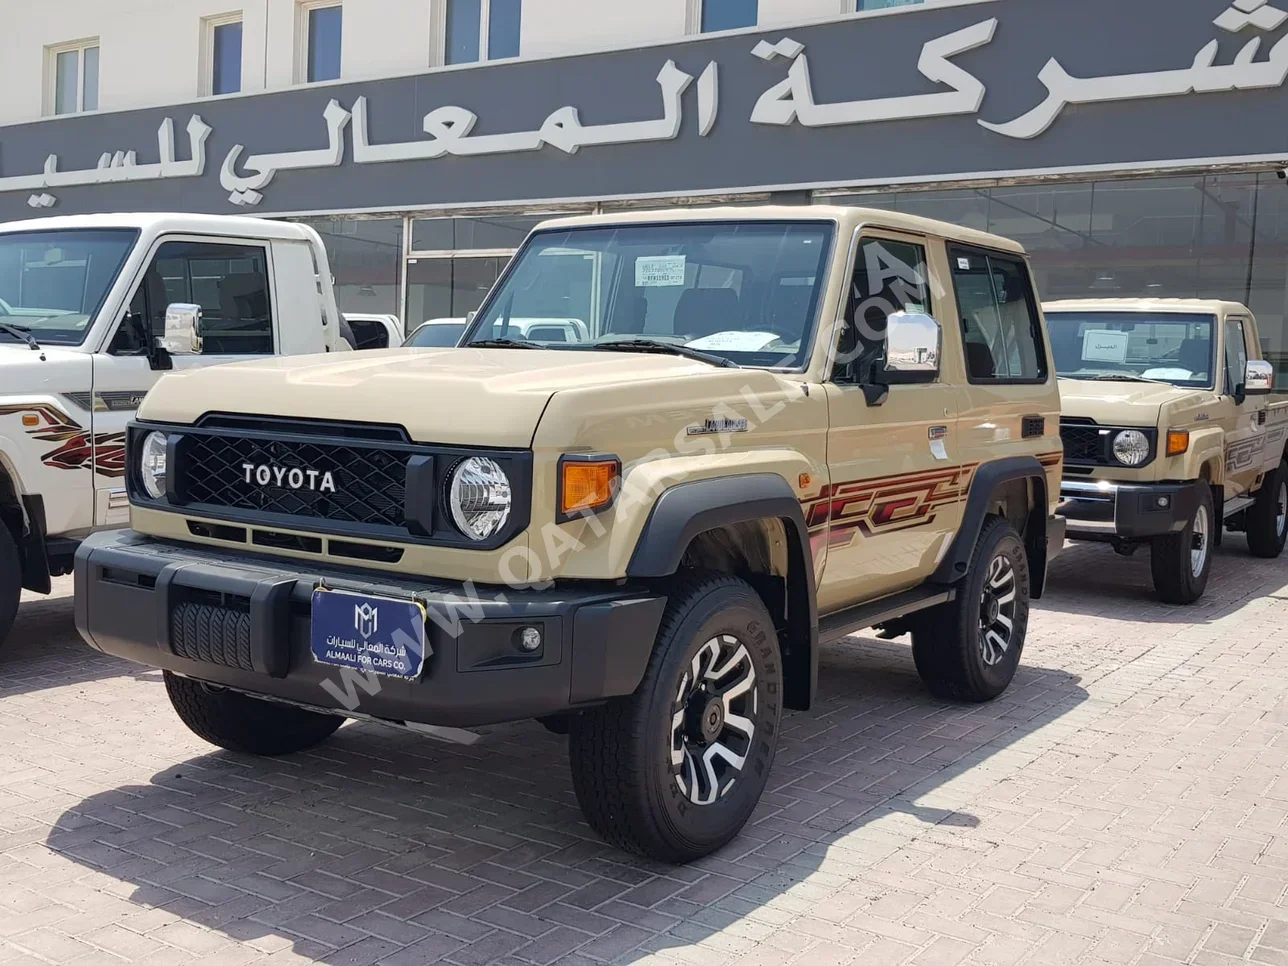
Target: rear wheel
(1181,562)
(10,581)
(239,722)
(674,770)
(1267,520)
(969,649)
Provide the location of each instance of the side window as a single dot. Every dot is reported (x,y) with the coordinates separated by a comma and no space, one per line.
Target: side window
(1001,327)
(889,277)
(369,333)
(229,282)
(1236,357)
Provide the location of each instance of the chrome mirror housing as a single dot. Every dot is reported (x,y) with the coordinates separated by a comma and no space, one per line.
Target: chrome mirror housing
(913,342)
(182,329)
(1259,379)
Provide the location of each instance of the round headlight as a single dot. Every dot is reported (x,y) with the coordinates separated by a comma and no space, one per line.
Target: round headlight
(480,497)
(1131,447)
(152,464)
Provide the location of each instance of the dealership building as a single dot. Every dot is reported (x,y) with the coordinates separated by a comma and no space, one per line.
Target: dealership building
(1135,149)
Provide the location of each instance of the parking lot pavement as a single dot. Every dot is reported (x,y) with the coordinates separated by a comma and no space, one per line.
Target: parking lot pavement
(1124,802)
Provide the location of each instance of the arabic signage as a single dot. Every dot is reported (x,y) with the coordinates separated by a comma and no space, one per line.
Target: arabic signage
(984,89)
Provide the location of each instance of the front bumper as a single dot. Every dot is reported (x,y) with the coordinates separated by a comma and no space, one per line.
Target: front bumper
(253,633)
(1101,509)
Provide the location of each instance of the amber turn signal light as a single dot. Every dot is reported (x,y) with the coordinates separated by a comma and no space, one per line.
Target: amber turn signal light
(1178,441)
(587,485)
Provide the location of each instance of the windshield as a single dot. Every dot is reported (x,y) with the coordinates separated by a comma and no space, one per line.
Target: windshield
(1176,348)
(745,291)
(441,336)
(54,282)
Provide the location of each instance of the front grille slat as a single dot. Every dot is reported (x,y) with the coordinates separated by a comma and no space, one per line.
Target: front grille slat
(1083,444)
(369,482)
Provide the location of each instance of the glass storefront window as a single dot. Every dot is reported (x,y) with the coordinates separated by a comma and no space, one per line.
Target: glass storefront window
(366,259)
(448,288)
(489,233)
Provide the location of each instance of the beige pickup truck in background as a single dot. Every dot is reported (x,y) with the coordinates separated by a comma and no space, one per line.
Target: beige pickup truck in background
(1170,436)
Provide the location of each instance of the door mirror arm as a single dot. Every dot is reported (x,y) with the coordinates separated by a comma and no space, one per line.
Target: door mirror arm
(158,358)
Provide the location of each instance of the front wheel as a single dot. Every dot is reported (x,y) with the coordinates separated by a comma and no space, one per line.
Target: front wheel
(1266,521)
(10,581)
(674,770)
(239,722)
(1181,562)
(969,649)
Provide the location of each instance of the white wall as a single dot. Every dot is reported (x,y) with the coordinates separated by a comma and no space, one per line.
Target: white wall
(149,49)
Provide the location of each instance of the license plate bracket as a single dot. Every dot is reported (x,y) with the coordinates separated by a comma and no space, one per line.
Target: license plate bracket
(369,634)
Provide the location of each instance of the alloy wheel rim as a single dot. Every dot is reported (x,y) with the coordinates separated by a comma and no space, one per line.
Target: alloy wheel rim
(713,720)
(1199,544)
(997,610)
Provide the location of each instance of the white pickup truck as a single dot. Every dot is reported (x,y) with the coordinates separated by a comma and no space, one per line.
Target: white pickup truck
(83,307)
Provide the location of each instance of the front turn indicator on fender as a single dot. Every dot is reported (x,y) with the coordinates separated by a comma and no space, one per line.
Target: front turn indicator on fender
(587,484)
(1178,441)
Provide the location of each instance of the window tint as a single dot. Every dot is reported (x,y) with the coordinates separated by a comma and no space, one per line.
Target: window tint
(728,14)
(1236,357)
(504,19)
(325,25)
(369,333)
(1001,329)
(89,79)
(463,20)
(226,58)
(229,282)
(889,277)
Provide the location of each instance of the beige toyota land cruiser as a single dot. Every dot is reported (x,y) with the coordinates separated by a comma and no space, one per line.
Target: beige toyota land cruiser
(785,425)
(1170,434)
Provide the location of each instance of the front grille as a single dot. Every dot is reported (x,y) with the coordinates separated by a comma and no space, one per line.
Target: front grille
(212,634)
(337,481)
(1083,443)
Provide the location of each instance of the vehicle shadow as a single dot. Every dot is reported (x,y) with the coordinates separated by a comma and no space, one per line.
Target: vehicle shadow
(44,650)
(384,844)
(1091,580)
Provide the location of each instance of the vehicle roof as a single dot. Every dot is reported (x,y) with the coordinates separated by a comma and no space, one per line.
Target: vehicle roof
(1204,306)
(232,225)
(847,217)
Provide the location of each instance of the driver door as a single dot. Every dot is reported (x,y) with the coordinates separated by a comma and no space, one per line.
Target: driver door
(231,281)
(1246,430)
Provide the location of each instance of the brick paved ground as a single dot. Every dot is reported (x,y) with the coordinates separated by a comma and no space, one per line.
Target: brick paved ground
(1125,802)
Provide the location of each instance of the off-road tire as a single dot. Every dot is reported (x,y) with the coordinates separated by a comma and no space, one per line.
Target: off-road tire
(1170,560)
(1266,521)
(948,643)
(242,723)
(621,752)
(10,581)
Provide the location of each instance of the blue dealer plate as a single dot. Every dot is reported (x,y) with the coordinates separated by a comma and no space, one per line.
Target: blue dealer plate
(379,635)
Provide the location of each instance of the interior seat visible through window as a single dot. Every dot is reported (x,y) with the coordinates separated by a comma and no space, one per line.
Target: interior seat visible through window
(705,311)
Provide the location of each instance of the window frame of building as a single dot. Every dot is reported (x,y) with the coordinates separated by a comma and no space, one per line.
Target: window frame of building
(303,19)
(209,29)
(442,39)
(79,48)
(696,13)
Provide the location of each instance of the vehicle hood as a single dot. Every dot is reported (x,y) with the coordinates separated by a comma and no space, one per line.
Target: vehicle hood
(51,370)
(481,397)
(1124,403)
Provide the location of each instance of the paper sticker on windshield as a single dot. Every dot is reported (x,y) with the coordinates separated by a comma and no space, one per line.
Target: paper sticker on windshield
(659,271)
(735,341)
(1102,345)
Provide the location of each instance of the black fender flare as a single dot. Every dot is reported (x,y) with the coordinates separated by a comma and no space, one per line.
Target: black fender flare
(686,510)
(956,562)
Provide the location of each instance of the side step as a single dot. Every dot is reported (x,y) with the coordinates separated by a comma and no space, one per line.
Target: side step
(843,623)
(1239,503)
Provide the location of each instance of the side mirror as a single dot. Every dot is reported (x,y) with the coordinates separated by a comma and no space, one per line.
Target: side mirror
(469,317)
(913,342)
(182,329)
(1259,379)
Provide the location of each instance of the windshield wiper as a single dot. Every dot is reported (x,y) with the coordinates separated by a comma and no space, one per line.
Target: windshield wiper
(20,333)
(665,348)
(502,344)
(1122,377)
